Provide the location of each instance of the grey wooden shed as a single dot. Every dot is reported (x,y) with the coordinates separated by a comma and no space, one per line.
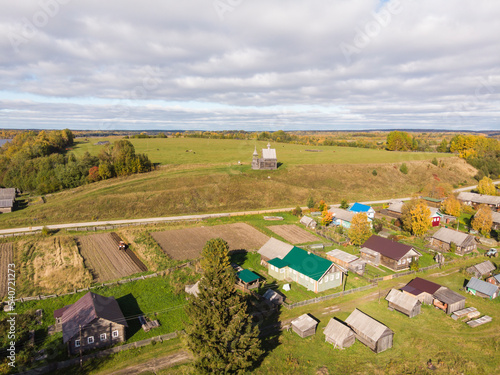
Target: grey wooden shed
(370,332)
(339,334)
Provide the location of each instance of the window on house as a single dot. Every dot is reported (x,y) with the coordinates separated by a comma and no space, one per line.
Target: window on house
(301,276)
(103,336)
(115,334)
(77,343)
(90,340)
(338,275)
(282,270)
(306,278)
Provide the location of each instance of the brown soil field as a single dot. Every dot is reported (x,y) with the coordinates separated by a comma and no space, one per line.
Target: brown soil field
(183,244)
(293,234)
(104,260)
(6,257)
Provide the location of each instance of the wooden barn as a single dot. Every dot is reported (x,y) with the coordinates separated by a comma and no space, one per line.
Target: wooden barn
(395,209)
(305,325)
(7,199)
(273,248)
(495,216)
(346,260)
(339,334)
(309,222)
(474,200)
(274,297)
(91,322)
(482,269)
(443,238)
(434,294)
(403,302)
(370,332)
(482,288)
(391,254)
(267,161)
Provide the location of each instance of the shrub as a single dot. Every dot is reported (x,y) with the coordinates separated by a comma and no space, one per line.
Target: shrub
(45,231)
(434,161)
(344,204)
(404,168)
(310,203)
(453,247)
(297,211)
(374,172)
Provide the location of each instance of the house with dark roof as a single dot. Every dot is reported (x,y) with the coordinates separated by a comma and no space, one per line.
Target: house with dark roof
(358,207)
(482,288)
(91,322)
(391,254)
(434,294)
(273,248)
(268,160)
(444,237)
(370,332)
(307,269)
(482,269)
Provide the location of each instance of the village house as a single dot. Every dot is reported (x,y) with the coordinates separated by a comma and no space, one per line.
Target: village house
(474,200)
(309,270)
(395,209)
(391,254)
(347,261)
(495,217)
(91,322)
(273,248)
(403,302)
(482,269)
(481,288)
(339,334)
(434,294)
(370,332)
(358,207)
(305,325)
(268,160)
(341,217)
(309,222)
(443,238)
(7,199)
(495,280)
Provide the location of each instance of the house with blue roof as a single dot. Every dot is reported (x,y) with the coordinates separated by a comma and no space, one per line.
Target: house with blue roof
(358,207)
(309,270)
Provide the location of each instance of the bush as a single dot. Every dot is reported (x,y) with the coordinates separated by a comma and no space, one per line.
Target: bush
(377,225)
(374,172)
(46,232)
(310,203)
(404,168)
(453,247)
(297,211)
(344,204)
(434,161)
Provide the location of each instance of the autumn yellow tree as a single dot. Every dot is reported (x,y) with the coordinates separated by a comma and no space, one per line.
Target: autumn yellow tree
(483,220)
(451,206)
(486,186)
(326,217)
(360,229)
(416,217)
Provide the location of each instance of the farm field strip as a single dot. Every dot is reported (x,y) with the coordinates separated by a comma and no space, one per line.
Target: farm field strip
(105,260)
(293,233)
(6,257)
(183,244)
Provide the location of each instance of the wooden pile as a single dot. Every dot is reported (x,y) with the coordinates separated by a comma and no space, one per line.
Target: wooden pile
(482,320)
(148,324)
(469,313)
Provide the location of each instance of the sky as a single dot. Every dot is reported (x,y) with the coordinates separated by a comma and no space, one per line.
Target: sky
(250,64)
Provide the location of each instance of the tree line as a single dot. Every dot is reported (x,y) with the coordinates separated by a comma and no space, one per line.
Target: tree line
(41,162)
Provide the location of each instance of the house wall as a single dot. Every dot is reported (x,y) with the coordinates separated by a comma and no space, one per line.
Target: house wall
(5,209)
(338,261)
(384,343)
(277,273)
(452,307)
(95,329)
(369,258)
(330,280)
(301,279)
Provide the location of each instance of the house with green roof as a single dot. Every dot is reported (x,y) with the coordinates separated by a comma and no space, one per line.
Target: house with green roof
(309,270)
(248,279)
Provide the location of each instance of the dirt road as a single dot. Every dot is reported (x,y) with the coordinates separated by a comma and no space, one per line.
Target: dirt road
(154,365)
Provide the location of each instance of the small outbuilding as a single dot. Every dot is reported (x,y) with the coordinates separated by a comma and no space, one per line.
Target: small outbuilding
(346,260)
(370,332)
(305,325)
(273,296)
(247,279)
(482,269)
(495,280)
(309,222)
(273,248)
(339,334)
(404,303)
(482,288)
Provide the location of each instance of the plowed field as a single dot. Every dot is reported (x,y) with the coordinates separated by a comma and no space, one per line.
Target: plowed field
(293,233)
(182,244)
(6,256)
(104,260)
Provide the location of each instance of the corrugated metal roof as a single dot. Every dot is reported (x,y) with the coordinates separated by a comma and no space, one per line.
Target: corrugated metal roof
(342,256)
(304,322)
(358,207)
(6,202)
(479,198)
(247,276)
(485,267)
(366,325)
(274,248)
(482,286)
(339,213)
(88,308)
(277,262)
(401,299)
(7,193)
(449,235)
(337,331)
(272,296)
(495,216)
(447,295)
(497,277)
(419,285)
(391,249)
(308,264)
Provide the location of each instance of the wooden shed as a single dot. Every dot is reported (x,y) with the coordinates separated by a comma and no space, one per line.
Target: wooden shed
(403,302)
(274,297)
(305,325)
(450,301)
(482,269)
(482,288)
(339,334)
(309,222)
(443,238)
(370,332)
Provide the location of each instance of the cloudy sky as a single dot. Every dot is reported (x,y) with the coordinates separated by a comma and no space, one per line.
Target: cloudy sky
(250,64)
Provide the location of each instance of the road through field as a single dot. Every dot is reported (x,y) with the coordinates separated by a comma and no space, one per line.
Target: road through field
(180,218)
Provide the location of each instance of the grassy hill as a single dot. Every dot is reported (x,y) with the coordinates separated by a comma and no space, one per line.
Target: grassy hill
(211,180)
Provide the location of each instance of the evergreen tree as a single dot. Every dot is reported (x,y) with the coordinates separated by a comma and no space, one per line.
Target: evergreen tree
(221,334)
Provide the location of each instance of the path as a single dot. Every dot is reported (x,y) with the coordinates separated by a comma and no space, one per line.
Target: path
(182,218)
(155,364)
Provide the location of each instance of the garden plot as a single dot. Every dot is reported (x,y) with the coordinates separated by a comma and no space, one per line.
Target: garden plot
(293,234)
(187,243)
(104,259)
(6,257)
